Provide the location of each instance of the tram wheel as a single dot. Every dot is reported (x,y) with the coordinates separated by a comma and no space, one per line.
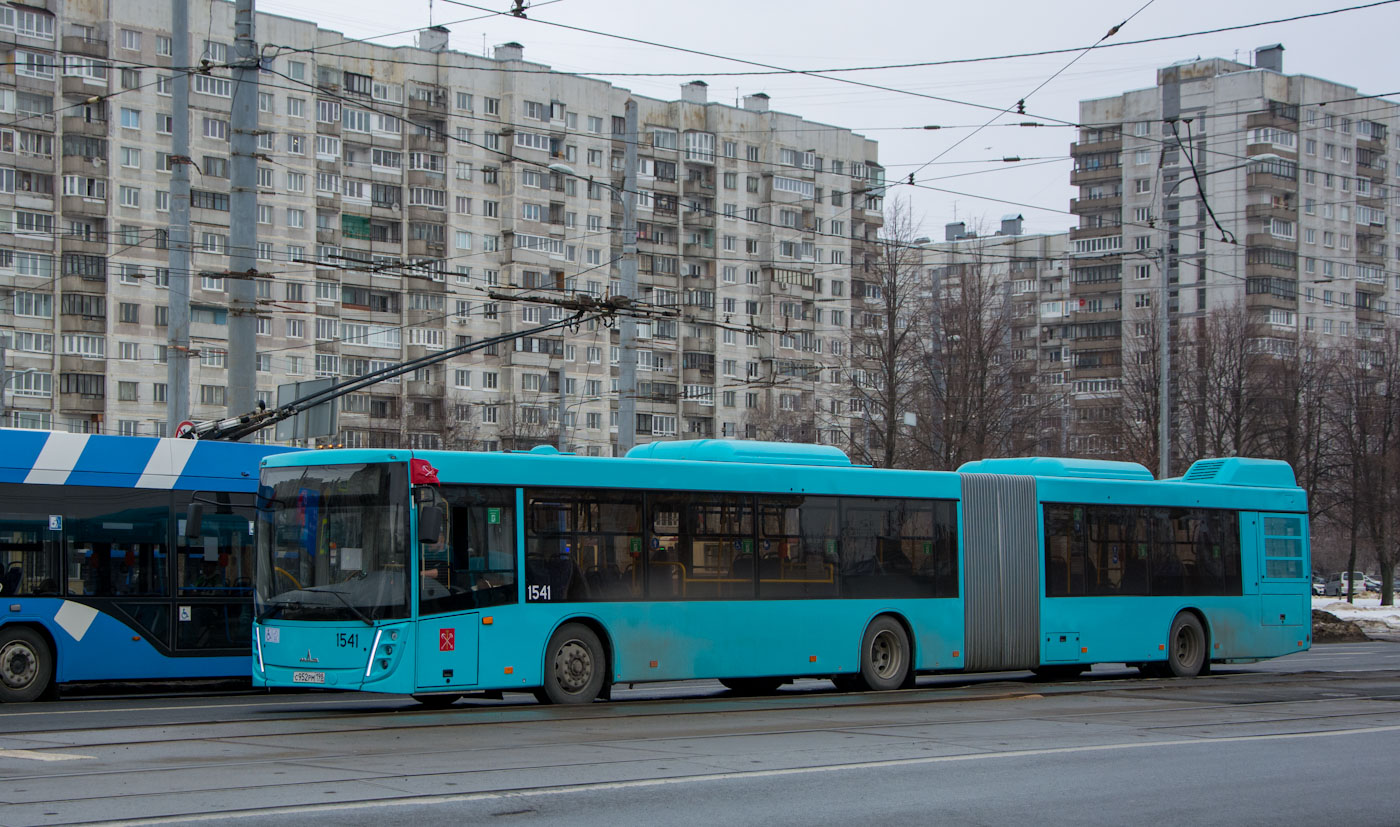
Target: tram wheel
(1186,646)
(574,666)
(884,654)
(752,686)
(26,665)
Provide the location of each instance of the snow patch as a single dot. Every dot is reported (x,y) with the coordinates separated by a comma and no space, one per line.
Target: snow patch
(1366,612)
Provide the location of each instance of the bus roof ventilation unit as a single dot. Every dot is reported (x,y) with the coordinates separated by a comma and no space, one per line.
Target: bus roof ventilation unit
(1059,467)
(1254,473)
(731,450)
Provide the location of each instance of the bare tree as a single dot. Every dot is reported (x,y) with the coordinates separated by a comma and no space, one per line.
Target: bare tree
(974,396)
(887,299)
(1294,420)
(1225,356)
(1368,417)
(1139,414)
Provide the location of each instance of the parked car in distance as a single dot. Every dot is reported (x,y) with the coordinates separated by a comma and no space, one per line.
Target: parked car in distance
(1372,584)
(1338,585)
(1319,585)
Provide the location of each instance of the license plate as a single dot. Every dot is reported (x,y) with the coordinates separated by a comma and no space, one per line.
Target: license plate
(308,677)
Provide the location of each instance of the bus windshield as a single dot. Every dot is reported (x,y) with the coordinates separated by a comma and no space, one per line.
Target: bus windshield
(332,543)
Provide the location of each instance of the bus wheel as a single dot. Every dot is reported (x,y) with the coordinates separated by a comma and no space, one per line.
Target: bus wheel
(437,701)
(884,655)
(26,664)
(574,666)
(752,686)
(1186,646)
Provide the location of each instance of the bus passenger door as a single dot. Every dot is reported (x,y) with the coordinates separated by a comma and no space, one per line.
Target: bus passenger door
(1285,589)
(447,651)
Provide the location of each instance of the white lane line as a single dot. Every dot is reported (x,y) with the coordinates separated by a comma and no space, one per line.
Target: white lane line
(608,786)
(36,755)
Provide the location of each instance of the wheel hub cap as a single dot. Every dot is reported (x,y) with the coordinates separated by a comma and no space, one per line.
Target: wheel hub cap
(574,666)
(18,665)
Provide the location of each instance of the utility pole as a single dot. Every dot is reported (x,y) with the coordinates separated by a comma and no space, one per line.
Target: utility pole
(1171,111)
(243,214)
(177,351)
(4,379)
(627,268)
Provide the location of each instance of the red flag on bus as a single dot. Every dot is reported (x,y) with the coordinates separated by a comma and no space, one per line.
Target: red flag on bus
(422,472)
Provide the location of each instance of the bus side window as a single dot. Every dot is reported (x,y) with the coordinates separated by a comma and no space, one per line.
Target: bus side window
(28,549)
(473,564)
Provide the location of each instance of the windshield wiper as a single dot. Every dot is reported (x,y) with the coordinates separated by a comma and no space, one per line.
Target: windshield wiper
(274,607)
(351,606)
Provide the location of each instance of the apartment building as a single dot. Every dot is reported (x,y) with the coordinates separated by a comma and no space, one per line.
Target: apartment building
(1016,287)
(1225,184)
(405,206)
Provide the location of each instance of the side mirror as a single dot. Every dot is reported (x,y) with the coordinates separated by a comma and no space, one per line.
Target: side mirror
(194,521)
(430,520)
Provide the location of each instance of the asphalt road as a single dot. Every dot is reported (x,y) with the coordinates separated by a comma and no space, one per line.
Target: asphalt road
(1308,738)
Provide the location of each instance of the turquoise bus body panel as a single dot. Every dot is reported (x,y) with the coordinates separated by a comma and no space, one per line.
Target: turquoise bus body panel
(502,647)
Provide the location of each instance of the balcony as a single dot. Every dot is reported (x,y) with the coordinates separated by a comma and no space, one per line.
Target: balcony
(1271,301)
(83,87)
(434,105)
(427,143)
(1279,114)
(1096,175)
(83,125)
(1269,182)
(84,45)
(1113,144)
(81,403)
(84,165)
(1285,211)
(1095,232)
(425,178)
(698,186)
(420,213)
(85,246)
(1085,206)
(82,205)
(421,248)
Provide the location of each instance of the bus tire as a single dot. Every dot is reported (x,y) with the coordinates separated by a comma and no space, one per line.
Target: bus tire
(752,686)
(574,666)
(26,665)
(884,654)
(1186,646)
(437,701)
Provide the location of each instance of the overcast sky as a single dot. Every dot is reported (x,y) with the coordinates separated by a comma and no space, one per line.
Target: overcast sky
(1354,47)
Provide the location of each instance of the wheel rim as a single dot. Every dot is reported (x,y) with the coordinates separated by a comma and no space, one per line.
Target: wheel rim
(1187,646)
(19,665)
(885,654)
(573,666)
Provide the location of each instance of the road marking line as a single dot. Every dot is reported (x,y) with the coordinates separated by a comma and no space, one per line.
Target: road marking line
(608,786)
(36,755)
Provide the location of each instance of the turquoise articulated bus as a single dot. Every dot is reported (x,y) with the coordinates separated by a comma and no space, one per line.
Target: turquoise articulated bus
(437,574)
